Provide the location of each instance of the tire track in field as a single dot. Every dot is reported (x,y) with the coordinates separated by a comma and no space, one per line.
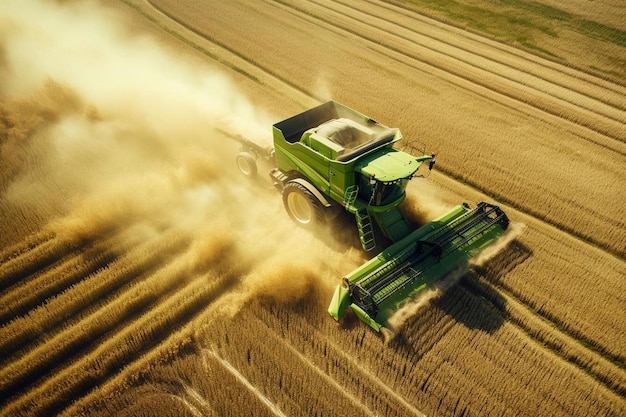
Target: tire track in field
(587,85)
(307,348)
(586,75)
(479,70)
(241,379)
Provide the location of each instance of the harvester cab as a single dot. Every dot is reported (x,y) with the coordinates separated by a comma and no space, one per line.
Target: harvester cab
(383,177)
(331,158)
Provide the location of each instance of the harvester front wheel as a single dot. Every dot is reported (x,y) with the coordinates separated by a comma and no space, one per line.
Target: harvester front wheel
(301,205)
(246,164)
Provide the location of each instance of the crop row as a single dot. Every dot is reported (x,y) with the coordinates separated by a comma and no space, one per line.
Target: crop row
(64,273)
(32,260)
(544,72)
(86,296)
(550,336)
(474,58)
(26,245)
(42,357)
(140,329)
(562,282)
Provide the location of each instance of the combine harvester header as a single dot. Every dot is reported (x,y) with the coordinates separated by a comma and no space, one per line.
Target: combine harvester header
(330,159)
(382,285)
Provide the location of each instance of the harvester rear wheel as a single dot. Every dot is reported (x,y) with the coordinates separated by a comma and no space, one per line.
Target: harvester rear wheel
(246,164)
(301,205)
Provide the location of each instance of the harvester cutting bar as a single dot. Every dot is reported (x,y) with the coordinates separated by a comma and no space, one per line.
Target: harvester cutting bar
(398,272)
(379,287)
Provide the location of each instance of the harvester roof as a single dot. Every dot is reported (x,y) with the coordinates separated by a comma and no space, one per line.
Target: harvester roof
(388,165)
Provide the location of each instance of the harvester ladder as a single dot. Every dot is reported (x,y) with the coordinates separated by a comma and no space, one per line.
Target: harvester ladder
(366,230)
(350,196)
(363,219)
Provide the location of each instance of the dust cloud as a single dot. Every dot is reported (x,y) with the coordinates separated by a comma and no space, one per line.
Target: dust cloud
(513,232)
(422,205)
(106,131)
(397,320)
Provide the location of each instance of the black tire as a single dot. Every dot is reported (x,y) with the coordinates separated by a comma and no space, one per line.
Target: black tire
(246,164)
(302,206)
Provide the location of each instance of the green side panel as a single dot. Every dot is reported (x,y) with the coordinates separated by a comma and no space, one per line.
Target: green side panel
(364,317)
(341,177)
(339,302)
(389,253)
(392,223)
(313,167)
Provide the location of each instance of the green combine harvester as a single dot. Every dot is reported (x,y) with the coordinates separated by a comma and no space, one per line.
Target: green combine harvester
(330,159)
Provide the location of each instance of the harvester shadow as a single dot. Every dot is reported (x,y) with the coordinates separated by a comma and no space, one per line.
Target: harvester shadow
(471,309)
(473,301)
(476,301)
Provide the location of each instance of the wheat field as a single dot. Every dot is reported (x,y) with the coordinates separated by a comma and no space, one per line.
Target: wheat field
(141,275)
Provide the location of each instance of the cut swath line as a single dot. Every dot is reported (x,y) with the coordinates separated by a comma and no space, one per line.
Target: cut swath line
(230,368)
(395,323)
(365,373)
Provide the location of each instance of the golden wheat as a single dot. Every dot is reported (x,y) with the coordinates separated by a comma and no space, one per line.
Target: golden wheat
(126,343)
(480,145)
(138,331)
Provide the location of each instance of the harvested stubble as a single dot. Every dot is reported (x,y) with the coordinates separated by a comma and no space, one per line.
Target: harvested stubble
(127,343)
(87,296)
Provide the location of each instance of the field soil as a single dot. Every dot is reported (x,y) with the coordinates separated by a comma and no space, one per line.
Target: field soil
(142,274)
